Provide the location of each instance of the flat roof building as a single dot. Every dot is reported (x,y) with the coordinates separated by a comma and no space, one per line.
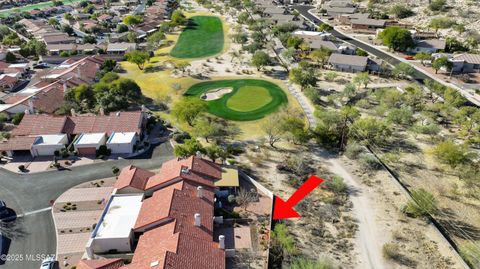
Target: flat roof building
(114,229)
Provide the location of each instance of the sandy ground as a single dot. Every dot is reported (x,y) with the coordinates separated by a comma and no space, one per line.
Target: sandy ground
(216,94)
(376,202)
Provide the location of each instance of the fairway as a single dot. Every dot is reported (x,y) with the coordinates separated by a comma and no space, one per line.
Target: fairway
(202,37)
(243,101)
(41,5)
(250,99)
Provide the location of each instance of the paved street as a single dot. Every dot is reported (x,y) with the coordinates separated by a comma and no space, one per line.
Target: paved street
(30,195)
(418,75)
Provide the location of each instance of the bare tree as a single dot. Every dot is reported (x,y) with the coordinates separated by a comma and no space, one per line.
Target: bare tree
(274,130)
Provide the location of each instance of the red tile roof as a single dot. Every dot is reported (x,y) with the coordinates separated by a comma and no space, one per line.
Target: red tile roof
(115,122)
(18,143)
(47,124)
(100,264)
(153,246)
(172,250)
(39,125)
(134,177)
(199,170)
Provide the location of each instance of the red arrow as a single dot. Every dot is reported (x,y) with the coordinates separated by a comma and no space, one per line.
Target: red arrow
(284,210)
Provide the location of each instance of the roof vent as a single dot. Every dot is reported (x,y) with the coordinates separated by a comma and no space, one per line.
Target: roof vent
(197,219)
(199,192)
(154,264)
(118,114)
(185,170)
(221,241)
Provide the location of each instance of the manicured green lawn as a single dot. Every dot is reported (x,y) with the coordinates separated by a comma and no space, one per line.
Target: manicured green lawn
(202,37)
(40,6)
(256,98)
(243,100)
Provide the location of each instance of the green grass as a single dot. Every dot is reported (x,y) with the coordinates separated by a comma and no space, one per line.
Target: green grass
(202,37)
(242,101)
(256,101)
(42,5)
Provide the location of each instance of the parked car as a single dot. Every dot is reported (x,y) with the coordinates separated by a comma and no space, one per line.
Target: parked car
(409,58)
(49,263)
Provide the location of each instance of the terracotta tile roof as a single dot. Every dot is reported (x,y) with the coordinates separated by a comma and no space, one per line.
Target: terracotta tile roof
(199,170)
(194,253)
(180,202)
(157,207)
(50,99)
(153,246)
(18,143)
(8,81)
(115,122)
(39,125)
(14,99)
(134,177)
(100,264)
(162,248)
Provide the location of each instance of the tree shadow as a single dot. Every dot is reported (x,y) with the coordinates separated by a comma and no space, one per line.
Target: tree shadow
(191,25)
(460,229)
(153,69)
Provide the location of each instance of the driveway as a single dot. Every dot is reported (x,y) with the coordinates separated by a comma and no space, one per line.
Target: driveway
(32,234)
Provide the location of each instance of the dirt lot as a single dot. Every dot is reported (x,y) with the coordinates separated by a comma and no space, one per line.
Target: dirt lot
(353,235)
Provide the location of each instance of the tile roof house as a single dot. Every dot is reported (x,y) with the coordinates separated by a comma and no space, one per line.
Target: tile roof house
(34,125)
(163,249)
(100,264)
(193,169)
(175,226)
(132,177)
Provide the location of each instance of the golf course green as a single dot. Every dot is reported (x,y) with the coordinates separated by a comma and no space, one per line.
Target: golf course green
(249,99)
(202,37)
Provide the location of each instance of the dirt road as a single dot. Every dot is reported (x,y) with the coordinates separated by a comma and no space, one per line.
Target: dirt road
(368,233)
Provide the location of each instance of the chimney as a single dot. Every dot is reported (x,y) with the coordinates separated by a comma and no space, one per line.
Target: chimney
(102,111)
(79,74)
(199,154)
(197,220)
(199,192)
(144,108)
(26,111)
(30,106)
(72,111)
(221,241)
(117,114)
(65,88)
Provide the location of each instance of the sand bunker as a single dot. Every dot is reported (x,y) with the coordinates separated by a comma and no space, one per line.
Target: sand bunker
(216,93)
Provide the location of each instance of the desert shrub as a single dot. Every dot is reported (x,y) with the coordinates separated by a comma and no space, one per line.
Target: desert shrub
(181,137)
(353,150)
(423,203)
(17,118)
(391,251)
(369,161)
(470,252)
(335,184)
(427,129)
(363,103)
(302,263)
(437,5)
(115,170)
